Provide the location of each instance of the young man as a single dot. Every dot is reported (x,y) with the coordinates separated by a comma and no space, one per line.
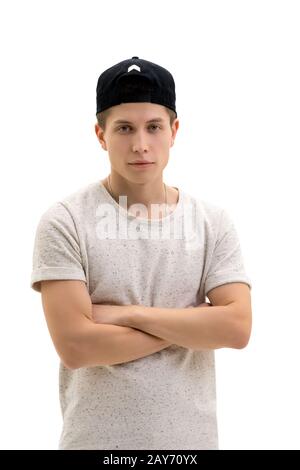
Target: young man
(124,266)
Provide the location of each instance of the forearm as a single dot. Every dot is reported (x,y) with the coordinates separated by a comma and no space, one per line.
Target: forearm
(196,328)
(112,344)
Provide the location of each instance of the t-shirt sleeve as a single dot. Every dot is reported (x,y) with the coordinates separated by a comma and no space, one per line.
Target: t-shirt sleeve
(226,264)
(56,251)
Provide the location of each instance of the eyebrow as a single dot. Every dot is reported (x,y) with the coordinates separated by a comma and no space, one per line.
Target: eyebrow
(123,121)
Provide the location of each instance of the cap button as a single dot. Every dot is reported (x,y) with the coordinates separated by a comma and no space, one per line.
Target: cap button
(134,57)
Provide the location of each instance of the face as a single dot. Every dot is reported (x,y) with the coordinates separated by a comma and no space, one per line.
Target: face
(129,136)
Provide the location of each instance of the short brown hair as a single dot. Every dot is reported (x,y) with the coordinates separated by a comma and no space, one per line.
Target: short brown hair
(102,117)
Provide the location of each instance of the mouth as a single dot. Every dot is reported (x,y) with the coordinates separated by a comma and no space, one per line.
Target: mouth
(141,164)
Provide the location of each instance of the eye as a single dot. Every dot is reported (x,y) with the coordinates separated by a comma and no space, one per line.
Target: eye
(122,127)
(154,125)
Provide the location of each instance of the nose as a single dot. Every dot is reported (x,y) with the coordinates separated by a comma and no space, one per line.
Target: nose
(140,143)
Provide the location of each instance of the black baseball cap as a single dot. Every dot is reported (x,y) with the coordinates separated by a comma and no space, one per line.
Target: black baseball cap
(135,80)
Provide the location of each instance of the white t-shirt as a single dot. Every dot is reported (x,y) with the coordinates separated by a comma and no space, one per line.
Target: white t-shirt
(166,400)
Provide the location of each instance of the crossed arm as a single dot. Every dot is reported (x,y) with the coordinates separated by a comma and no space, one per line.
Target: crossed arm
(201,327)
(87,335)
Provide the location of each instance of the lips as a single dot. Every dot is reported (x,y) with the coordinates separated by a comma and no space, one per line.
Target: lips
(140,162)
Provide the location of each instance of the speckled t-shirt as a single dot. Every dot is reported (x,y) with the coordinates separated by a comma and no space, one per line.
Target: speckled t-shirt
(166,400)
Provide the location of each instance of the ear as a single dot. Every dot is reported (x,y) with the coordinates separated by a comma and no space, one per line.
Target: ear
(175,127)
(100,136)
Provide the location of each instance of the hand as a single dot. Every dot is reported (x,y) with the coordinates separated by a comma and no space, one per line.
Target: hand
(111,314)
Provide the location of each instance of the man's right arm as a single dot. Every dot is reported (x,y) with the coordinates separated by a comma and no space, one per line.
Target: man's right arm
(79,341)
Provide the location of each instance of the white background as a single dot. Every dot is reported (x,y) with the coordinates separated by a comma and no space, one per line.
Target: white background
(237,75)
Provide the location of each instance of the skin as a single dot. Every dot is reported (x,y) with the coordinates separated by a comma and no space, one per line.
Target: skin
(226,323)
(101,334)
(140,140)
(200,327)
(120,314)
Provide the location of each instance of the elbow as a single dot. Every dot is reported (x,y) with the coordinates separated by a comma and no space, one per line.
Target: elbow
(71,357)
(241,342)
(240,326)
(70,364)
(242,336)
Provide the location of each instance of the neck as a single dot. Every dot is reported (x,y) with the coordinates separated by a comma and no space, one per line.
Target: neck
(154,192)
(148,193)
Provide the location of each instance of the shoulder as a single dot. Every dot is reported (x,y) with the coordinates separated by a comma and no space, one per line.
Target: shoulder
(85,196)
(75,205)
(205,211)
(213,220)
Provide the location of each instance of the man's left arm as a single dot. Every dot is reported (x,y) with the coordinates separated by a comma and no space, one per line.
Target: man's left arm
(225,324)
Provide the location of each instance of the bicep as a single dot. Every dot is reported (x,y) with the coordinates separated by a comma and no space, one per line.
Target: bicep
(68,311)
(225,294)
(236,295)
